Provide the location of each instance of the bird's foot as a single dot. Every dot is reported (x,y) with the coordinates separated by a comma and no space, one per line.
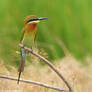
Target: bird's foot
(28,53)
(32,49)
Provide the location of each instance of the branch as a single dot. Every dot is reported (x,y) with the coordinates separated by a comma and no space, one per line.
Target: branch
(49,64)
(34,82)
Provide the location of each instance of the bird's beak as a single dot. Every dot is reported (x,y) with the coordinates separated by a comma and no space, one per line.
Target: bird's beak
(42,18)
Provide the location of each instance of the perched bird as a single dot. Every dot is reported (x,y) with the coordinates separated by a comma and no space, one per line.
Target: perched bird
(28,38)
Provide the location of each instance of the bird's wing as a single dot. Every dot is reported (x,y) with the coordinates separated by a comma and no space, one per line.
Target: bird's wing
(22,37)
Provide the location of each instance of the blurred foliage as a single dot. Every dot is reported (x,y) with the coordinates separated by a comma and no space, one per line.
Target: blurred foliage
(70,21)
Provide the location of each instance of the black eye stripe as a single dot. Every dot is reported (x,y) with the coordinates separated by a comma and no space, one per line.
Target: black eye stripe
(32,20)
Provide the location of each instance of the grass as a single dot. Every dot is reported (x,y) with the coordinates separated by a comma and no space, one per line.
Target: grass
(76,74)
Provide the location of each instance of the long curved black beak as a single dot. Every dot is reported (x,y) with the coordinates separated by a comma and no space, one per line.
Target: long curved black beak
(42,18)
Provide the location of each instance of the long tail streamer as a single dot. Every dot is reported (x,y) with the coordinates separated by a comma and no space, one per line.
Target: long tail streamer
(22,62)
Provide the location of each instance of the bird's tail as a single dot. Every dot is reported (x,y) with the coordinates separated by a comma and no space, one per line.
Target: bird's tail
(22,62)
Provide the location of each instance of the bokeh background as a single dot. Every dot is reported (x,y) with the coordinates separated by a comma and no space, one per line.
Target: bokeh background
(65,39)
(68,29)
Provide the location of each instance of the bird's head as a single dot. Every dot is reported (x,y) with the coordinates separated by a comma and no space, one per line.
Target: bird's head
(32,19)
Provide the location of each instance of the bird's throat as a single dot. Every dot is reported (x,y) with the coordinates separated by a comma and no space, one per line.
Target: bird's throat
(30,27)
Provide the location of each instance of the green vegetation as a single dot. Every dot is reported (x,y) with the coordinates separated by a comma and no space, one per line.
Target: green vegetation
(70,22)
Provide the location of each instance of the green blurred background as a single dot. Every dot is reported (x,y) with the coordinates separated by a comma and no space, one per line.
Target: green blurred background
(68,29)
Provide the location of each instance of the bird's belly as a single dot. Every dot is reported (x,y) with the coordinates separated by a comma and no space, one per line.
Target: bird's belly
(29,39)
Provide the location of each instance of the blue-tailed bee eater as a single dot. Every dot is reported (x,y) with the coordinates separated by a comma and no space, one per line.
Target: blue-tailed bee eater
(28,37)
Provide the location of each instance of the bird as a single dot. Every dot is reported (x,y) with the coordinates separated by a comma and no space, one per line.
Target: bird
(28,38)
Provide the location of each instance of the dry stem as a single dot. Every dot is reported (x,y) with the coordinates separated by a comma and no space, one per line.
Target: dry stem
(49,64)
(34,82)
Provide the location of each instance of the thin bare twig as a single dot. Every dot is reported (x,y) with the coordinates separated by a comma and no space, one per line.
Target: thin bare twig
(34,82)
(49,64)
